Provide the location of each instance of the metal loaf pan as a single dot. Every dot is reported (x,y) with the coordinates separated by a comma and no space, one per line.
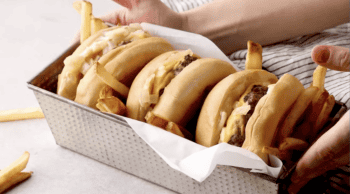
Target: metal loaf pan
(110,140)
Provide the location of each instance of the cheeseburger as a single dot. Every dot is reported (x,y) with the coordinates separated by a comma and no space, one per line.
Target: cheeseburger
(119,39)
(172,87)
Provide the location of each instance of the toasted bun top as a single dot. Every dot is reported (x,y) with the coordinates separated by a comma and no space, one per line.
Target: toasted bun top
(184,94)
(262,125)
(92,39)
(135,93)
(124,64)
(222,98)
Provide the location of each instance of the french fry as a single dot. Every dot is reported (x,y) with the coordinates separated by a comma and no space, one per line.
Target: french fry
(96,25)
(14,168)
(86,13)
(286,148)
(316,111)
(173,128)
(318,80)
(111,105)
(319,76)
(156,121)
(290,143)
(106,92)
(14,180)
(254,56)
(297,111)
(308,128)
(273,151)
(167,125)
(178,130)
(21,114)
(108,79)
(326,111)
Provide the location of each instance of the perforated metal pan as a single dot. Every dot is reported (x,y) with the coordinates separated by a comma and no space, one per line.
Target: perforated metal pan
(110,140)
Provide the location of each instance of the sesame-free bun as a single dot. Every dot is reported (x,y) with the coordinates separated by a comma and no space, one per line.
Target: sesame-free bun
(133,102)
(186,92)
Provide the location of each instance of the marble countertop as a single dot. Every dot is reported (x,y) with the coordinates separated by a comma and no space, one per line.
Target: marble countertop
(33,34)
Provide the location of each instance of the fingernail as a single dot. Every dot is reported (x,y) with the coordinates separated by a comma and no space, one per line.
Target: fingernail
(322,55)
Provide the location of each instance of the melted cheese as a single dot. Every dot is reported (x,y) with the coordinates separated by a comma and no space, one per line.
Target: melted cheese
(162,77)
(236,121)
(109,41)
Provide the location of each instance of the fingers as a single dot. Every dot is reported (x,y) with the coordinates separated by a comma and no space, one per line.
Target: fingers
(116,17)
(330,151)
(127,3)
(332,57)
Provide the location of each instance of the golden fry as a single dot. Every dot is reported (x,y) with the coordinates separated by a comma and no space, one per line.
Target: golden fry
(326,110)
(111,105)
(173,128)
(21,114)
(254,56)
(86,13)
(290,143)
(308,128)
(108,79)
(319,76)
(296,112)
(14,180)
(155,120)
(178,130)
(14,168)
(97,25)
(168,125)
(271,150)
(317,108)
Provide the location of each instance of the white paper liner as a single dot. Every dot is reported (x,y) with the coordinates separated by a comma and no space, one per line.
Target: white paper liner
(197,161)
(182,40)
(192,159)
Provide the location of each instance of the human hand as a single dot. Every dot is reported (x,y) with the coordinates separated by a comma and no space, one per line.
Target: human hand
(137,11)
(150,11)
(332,57)
(329,152)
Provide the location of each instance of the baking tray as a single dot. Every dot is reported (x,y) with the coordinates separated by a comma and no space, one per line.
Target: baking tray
(110,140)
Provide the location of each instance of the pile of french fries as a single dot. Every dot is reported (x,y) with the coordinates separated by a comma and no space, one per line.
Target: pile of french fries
(318,112)
(12,175)
(307,116)
(311,113)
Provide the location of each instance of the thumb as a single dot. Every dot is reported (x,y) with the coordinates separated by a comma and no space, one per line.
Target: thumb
(332,57)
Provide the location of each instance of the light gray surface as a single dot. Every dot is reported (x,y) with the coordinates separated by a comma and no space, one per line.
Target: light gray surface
(33,34)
